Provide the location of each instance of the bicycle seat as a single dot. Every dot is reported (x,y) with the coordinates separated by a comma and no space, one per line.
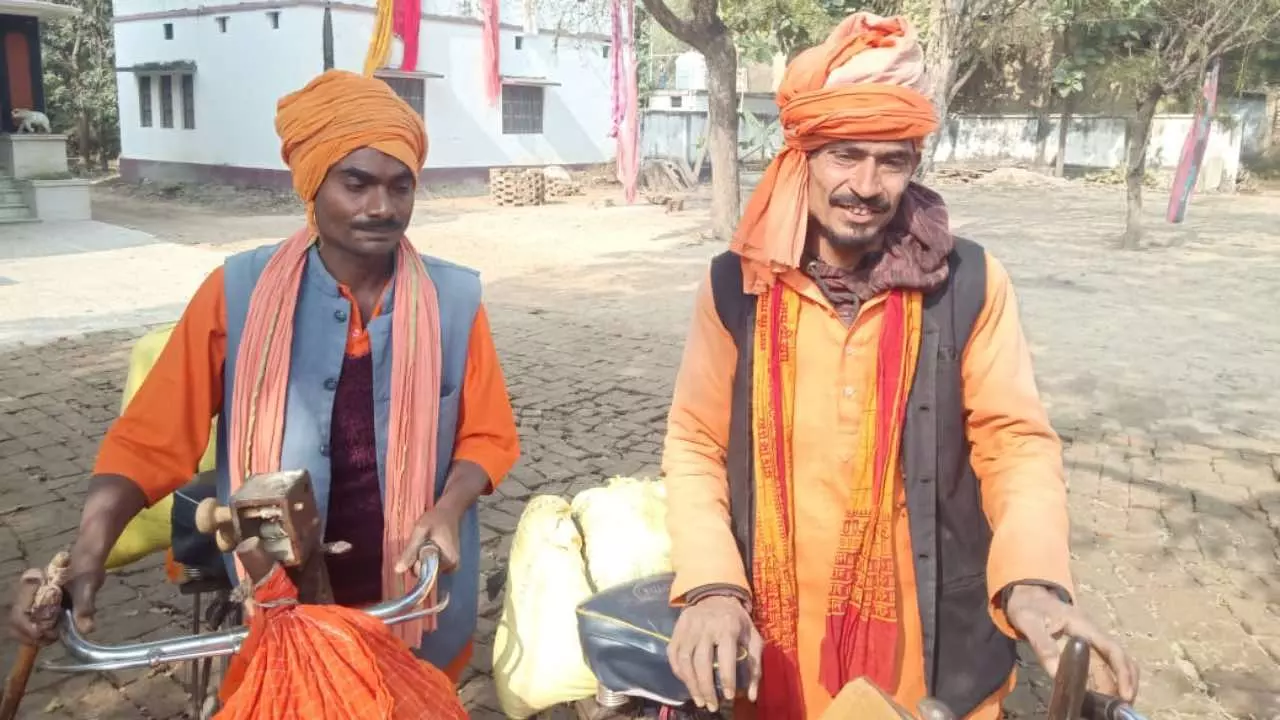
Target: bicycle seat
(195,550)
(625,632)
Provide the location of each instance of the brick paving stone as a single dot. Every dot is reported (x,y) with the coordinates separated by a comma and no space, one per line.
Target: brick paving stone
(1157,377)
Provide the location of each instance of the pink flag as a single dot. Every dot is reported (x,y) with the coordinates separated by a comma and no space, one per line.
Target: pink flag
(617,91)
(489,54)
(406,21)
(629,137)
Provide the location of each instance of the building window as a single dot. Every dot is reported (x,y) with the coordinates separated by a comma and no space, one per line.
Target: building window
(410,89)
(222,24)
(189,101)
(166,101)
(144,100)
(522,109)
(168,31)
(519,42)
(677,101)
(274,18)
(604,52)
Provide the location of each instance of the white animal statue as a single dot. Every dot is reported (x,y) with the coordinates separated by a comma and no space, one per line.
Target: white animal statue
(29,121)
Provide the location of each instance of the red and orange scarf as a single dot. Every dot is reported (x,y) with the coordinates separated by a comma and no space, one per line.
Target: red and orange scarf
(862,615)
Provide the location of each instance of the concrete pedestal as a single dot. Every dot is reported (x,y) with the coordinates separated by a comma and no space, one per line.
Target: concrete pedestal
(33,156)
(38,164)
(52,200)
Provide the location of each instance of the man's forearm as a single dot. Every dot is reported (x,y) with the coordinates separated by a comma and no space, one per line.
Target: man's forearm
(466,482)
(112,502)
(704,554)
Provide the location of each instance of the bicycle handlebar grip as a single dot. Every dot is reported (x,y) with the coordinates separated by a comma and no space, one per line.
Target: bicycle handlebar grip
(1071,682)
(1105,707)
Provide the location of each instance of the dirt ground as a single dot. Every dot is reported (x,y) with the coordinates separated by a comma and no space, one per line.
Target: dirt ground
(1160,369)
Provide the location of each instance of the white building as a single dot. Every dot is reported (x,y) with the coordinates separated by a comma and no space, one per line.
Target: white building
(685,89)
(198,84)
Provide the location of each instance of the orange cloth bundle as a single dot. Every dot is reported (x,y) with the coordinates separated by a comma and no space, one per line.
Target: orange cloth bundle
(327,662)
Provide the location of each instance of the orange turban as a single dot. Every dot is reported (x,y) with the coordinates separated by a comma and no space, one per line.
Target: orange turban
(338,113)
(865,82)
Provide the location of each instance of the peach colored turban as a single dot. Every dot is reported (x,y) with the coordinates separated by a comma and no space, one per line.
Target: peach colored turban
(338,113)
(865,82)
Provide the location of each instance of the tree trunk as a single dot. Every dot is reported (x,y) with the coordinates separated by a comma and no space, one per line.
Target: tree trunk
(707,33)
(1138,134)
(83,141)
(104,152)
(941,81)
(77,94)
(1045,100)
(1042,134)
(722,131)
(1064,130)
(941,67)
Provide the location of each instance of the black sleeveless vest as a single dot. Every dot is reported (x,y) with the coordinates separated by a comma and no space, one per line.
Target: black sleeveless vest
(966,658)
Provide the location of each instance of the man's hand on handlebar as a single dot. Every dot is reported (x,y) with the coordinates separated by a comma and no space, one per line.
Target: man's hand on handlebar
(111,503)
(85,579)
(708,634)
(1042,617)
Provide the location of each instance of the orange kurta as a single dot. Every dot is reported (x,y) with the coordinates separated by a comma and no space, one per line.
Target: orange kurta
(1015,454)
(159,440)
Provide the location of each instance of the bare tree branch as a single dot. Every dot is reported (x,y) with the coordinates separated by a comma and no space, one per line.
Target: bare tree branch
(961,80)
(1212,30)
(1249,31)
(682,29)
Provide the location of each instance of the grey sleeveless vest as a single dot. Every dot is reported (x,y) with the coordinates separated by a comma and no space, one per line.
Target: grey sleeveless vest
(319,346)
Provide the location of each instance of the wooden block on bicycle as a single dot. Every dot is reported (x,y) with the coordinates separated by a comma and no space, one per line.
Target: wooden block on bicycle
(279,509)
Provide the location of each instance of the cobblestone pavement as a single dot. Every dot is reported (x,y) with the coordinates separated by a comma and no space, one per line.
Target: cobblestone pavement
(1160,369)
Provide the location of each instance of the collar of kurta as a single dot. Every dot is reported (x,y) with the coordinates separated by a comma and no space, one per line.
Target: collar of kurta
(840,286)
(913,257)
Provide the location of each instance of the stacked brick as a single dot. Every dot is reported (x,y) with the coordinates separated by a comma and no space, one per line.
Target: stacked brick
(517,187)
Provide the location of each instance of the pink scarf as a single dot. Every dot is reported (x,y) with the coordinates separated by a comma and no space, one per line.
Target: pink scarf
(262,379)
(489,54)
(407,23)
(617,94)
(625,99)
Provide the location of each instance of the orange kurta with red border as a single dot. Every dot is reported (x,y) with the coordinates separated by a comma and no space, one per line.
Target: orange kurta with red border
(1015,454)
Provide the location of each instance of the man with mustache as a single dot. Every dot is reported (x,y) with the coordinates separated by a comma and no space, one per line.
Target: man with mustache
(862,481)
(341,351)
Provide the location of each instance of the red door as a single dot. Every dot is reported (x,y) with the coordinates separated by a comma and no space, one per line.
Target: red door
(17,59)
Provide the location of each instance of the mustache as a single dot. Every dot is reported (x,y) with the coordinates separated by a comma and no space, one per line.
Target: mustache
(853,201)
(389,225)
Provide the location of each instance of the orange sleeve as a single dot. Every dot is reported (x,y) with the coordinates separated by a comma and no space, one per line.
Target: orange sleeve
(1014,451)
(703,551)
(159,439)
(487,434)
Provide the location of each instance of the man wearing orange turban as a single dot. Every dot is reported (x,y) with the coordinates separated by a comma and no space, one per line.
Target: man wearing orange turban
(341,351)
(862,480)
